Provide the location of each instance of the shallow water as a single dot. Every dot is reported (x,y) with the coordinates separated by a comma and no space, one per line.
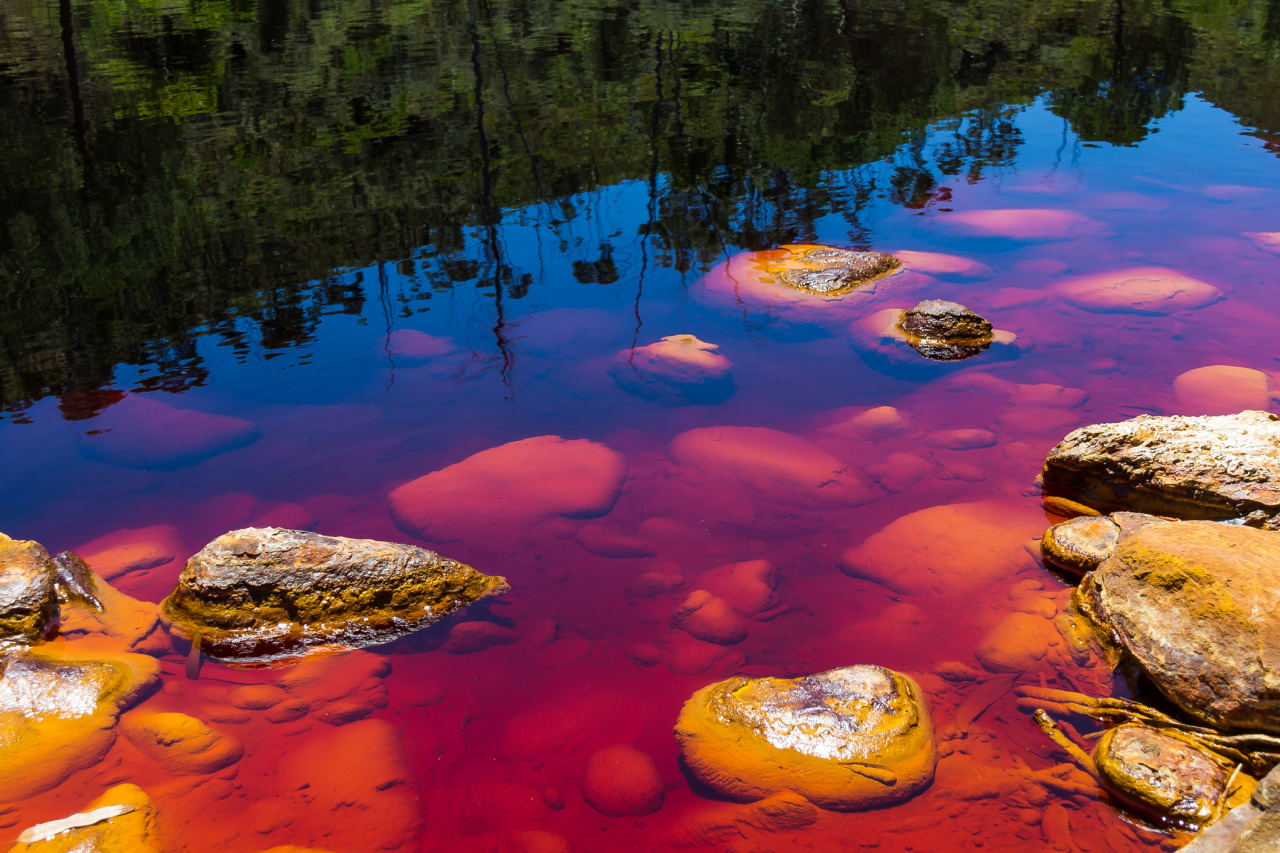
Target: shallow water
(533,273)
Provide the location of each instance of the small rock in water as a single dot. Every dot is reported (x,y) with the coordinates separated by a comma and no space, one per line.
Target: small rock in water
(1160,773)
(1081,544)
(945,331)
(857,737)
(263,593)
(679,369)
(622,781)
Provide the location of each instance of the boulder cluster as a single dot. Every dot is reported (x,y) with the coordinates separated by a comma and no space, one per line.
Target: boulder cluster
(1182,578)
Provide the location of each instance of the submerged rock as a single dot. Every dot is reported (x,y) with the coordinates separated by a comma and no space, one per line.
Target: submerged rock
(858,737)
(143,432)
(679,369)
(1161,773)
(1221,389)
(945,331)
(622,781)
(180,743)
(1185,467)
(262,593)
(1149,291)
(514,485)
(1197,604)
(1081,544)
(28,601)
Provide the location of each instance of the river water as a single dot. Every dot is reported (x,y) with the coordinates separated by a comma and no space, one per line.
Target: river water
(264,263)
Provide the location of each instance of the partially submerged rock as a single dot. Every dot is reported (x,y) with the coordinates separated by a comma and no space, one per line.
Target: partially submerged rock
(1161,774)
(27,598)
(881,341)
(945,331)
(1185,467)
(828,271)
(1197,604)
(58,715)
(678,369)
(1081,544)
(262,593)
(858,737)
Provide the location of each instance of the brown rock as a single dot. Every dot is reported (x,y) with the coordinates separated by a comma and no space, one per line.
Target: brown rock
(828,271)
(858,737)
(1160,773)
(1198,606)
(27,598)
(518,484)
(1183,467)
(263,593)
(180,743)
(622,781)
(945,331)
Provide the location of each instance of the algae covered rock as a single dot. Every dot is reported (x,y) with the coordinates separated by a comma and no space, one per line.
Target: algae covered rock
(1161,773)
(261,593)
(829,271)
(1197,604)
(27,597)
(945,331)
(1186,467)
(857,737)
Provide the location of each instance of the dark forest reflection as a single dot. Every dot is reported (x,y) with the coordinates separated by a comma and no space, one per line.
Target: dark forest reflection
(171,172)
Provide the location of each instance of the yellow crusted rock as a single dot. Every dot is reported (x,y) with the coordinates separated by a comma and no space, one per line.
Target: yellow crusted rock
(858,737)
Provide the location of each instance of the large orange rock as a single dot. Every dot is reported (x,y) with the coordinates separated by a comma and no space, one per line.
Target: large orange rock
(948,550)
(58,714)
(772,465)
(120,821)
(1198,605)
(514,485)
(144,432)
(1221,389)
(1154,291)
(858,737)
(622,781)
(181,743)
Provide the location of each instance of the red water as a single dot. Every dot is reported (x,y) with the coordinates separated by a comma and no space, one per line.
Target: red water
(483,746)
